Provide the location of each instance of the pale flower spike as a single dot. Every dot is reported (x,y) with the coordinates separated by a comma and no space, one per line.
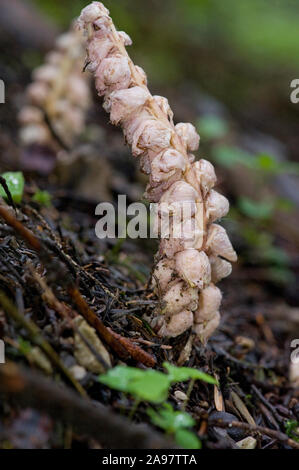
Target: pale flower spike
(186,263)
(59,95)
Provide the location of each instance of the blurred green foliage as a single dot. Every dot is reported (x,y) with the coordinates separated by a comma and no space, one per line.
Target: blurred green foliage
(212,127)
(256,210)
(153,386)
(181,374)
(253,219)
(229,156)
(150,385)
(258,32)
(292,429)
(42,197)
(176,423)
(239,52)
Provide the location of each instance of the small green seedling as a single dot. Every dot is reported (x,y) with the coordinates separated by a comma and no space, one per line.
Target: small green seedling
(153,387)
(145,385)
(175,423)
(43,198)
(15,183)
(292,429)
(150,385)
(181,374)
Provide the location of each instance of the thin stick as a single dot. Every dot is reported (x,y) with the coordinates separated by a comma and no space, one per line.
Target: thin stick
(26,234)
(123,346)
(66,313)
(280,436)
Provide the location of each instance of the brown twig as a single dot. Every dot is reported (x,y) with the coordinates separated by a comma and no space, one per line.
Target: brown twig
(66,313)
(7,192)
(267,403)
(122,346)
(280,436)
(26,234)
(36,337)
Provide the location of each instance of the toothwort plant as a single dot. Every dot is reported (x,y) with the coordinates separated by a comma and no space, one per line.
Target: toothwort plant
(197,252)
(58,97)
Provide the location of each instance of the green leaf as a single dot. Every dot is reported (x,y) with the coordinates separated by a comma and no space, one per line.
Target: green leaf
(187,439)
(43,198)
(270,164)
(170,420)
(212,127)
(152,386)
(280,275)
(285,205)
(256,210)
(181,374)
(120,377)
(229,156)
(267,162)
(290,168)
(148,385)
(24,346)
(292,429)
(15,184)
(274,254)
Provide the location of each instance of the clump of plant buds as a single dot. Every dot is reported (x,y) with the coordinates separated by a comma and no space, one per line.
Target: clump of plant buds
(58,97)
(195,253)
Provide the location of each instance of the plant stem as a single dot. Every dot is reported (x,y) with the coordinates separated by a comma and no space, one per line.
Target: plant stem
(134,408)
(189,391)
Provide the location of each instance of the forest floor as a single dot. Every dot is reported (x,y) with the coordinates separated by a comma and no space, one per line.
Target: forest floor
(45,287)
(55,272)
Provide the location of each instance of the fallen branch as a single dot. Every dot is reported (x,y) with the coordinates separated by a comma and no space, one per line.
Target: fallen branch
(279,436)
(94,420)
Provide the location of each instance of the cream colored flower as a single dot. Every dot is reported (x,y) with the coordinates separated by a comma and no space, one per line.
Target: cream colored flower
(179,297)
(217,206)
(122,103)
(220,268)
(188,135)
(112,74)
(194,267)
(178,324)
(219,244)
(209,303)
(151,134)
